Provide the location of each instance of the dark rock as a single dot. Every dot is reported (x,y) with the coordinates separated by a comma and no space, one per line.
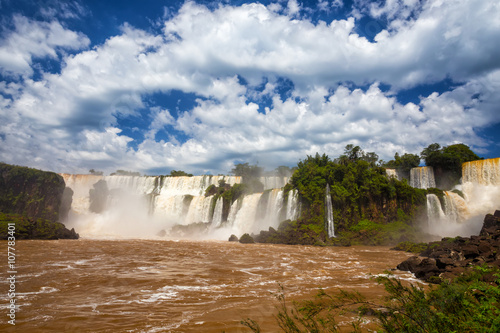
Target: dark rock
(66,201)
(443,262)
(98,196)
(410,264)
(484,247)
(491,224)
(246,239)
(451,257)
(470,251)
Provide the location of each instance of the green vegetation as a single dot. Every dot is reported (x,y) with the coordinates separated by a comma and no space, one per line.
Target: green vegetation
(27,228)
(369,208)
(179,173)
(250,175)
(412,247)
(247,171)
(96,173)
(404,163)
(470,303)
(447,162)
(30,192)
(246,239)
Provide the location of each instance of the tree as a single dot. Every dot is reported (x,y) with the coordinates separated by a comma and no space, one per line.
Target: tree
(447,161)
(431,154)
(180,173)
(96,173)
(247,171)
(404,163)
(283,171)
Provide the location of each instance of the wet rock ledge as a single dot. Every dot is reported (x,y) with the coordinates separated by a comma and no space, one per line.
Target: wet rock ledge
(450,257)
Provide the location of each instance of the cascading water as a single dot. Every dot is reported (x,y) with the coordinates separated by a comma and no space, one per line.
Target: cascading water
(422,177)
(482,172)
(481,187)
(330,227)
(463,215)
(292,206)
(217,218)
(142,206)
(273,182)
(395,173)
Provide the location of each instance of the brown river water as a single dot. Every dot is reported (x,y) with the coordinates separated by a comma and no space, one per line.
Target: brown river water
(176,286)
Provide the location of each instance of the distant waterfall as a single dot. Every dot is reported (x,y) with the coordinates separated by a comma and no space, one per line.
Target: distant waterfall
(422,177)
(330,227)
(142,206)
(395,173)
(245,217)
(435,212)
(481,187)
(292,207)
(273,182)
(447,220)
(217,218)
(483,172)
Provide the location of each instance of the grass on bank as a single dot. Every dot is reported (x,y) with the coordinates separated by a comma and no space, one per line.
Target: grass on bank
(470,303)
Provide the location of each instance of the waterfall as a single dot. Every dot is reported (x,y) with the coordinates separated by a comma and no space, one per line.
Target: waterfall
(483,172)
(274,207)
(447,220)
(217,219)
(330,227)
(395,173)
(435,214)
(422,177)
(292,207)
(143,206)
(245,217)
(481,188)
(273,182)
(463,214)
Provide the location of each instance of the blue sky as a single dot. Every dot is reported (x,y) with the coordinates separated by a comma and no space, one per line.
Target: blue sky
(152,86)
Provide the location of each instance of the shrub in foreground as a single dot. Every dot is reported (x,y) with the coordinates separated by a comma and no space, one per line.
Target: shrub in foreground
(468,304)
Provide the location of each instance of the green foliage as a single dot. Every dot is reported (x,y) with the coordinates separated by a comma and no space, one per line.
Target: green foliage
(360,191)
(468,304)
(412,247)
(404,163)
(247,171)
(30,192)
(246,239)
(283,171)
(179,173)
(95,173)
(27,228)
(447,162)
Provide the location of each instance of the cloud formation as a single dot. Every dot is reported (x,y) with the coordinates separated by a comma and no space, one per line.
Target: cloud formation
(235,59)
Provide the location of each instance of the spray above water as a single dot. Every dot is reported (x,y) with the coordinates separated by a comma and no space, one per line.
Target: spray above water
(462,210)
(145,207)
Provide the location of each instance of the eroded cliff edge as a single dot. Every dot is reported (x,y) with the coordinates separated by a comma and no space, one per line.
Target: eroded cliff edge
(36,201)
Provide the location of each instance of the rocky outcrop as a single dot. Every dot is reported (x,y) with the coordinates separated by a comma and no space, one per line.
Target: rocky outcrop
(450,257)
(29,228)
(246,239)
(34,201)
(30,192)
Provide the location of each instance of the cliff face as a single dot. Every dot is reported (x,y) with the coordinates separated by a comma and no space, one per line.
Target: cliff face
(30,192)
